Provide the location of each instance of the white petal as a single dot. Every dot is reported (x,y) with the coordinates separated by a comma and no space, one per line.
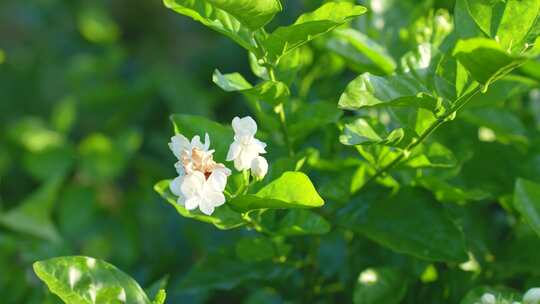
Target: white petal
(217,180)
(259,146)
(196,142)
(243,161)
(206,141)
(178,144)
(192,184)
(234,150)
(206,208)
(192,203)
(175,185)
(215,198)
(259,167)
(245,126)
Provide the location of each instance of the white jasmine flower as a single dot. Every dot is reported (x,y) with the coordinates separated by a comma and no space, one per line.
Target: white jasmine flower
(201,180)
(532,296)
(245,147)
(259,167)
(488,298)
(196,191)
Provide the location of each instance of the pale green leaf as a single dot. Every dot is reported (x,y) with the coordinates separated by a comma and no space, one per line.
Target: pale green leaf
(309,26)
(85,280)
(397,90)
(291,190)
(269,91)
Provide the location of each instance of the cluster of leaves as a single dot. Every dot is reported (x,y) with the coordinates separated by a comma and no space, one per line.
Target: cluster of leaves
(418,125)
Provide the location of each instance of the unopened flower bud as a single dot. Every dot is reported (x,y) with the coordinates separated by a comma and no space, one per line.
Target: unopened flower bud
(259,167)
(488,298)
(532,296)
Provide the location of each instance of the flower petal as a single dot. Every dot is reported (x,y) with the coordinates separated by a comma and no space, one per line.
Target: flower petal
(192,184)
(178,144)
(234,150)
(175,186)
(192,203)
(259,146)
(206,141)
(245,126)
(217,180)
(206,208)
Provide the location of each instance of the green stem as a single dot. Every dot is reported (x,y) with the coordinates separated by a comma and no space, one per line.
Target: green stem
(280,111)
(458,105)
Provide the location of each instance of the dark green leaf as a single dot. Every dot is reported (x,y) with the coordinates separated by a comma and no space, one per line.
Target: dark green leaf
(380,285)
(527,202)
(409,222)
(302,222)
(361,132)
(33,215)
(255,249)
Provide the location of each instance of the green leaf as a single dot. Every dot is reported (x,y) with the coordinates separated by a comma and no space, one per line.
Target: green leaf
(527,202)
(291,190)
(85,280)
(237,19)
(397,90)
(220,136)
(221,270)
(269,91)
(255,249)
(33,215)
(486,60)
(380,285)
(223,217)
(511,22)
(309,26)
(302,222)
(362,132)
(505,124)
(360,52)
(310,117)
(409,222)
(160,297)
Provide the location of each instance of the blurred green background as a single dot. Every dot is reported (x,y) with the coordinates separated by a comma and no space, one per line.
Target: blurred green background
(86,89)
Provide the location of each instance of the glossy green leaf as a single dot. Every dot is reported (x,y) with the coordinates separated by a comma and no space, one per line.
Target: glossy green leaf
(85,280)
(380,285)
(486,60)
(409,222)
(220,136)
(360,52)
(309,26)
(512,23)
(237,19)
(527,202)
(291,190)
(398,90)
(361,132)
(269,91)
(302,222)
(33,215)
(223,217)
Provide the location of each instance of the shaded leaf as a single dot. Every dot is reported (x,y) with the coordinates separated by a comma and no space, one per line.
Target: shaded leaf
(527,202)
(409,222)
(302,222)
(379,285)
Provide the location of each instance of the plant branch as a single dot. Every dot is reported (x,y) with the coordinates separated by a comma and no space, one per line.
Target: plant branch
(458,105)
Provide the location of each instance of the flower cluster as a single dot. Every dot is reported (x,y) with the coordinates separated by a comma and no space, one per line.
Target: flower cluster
(201,180)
